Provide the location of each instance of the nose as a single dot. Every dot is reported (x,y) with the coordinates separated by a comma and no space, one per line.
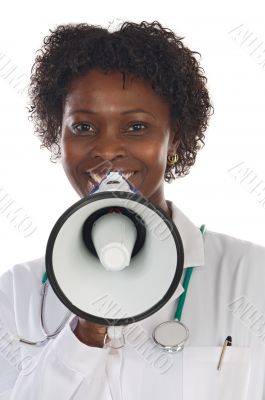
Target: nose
(108,148)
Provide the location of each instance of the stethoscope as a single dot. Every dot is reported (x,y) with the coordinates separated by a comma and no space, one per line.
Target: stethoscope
(44,288)
(169,335)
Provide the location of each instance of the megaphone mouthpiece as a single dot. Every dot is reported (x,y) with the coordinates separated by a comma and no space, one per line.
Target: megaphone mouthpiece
(114,236)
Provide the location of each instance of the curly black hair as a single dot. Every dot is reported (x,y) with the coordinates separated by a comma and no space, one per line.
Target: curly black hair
(145,50)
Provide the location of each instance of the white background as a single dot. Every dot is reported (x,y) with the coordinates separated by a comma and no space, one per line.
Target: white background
(210,194)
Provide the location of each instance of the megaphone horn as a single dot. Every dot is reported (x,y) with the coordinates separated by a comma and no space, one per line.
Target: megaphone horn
(102,246)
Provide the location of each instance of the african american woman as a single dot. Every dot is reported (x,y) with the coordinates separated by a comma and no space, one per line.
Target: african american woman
(135,98)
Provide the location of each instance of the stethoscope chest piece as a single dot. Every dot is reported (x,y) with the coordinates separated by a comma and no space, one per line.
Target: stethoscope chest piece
(171,336)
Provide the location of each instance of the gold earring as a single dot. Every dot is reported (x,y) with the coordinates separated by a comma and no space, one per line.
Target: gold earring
(172,160)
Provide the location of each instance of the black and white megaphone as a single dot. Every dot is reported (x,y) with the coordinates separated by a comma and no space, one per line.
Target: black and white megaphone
(114,247)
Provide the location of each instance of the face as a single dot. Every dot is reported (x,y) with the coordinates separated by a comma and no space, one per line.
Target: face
(108,127)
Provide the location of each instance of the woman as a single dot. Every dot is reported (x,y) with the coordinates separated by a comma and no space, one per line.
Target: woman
(135,100)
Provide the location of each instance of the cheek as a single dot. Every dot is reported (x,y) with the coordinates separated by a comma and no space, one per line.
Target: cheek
(70,154)
(66,160)
(155,156)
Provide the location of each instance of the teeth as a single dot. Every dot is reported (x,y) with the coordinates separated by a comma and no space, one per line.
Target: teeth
(128,174)
(98,178)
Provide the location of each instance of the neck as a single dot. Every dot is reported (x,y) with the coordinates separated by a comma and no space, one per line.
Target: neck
(166,207)
(158,199)
(169,208)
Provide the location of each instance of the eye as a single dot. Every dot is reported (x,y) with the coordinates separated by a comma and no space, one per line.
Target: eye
(81,128)
(138,127)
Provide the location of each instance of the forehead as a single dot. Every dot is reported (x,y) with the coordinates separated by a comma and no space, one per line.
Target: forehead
(97,89)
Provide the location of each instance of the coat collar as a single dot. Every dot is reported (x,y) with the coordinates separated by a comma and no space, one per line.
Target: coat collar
(192,240)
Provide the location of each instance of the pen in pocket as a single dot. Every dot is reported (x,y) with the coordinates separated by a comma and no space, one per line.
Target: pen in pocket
(227,342)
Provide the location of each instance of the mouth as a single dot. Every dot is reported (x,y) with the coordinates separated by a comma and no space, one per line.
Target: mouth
(95,178)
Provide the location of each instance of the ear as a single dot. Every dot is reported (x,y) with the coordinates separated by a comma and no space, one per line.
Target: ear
(174,141)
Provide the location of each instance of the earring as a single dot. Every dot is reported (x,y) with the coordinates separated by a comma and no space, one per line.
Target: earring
(172,160)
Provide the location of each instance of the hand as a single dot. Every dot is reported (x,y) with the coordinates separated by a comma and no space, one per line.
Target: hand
(90,333)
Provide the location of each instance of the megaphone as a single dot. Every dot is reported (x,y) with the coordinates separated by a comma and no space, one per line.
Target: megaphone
(114,247)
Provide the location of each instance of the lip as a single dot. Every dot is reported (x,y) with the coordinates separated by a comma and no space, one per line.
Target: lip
(102,174)
(132,179)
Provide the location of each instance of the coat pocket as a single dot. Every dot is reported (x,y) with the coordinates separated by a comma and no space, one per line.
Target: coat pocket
(202,380)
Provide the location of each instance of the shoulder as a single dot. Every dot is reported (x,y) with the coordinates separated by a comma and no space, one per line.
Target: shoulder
(233,249)
(237,266)
(17,286)
(21,277)
(23,272)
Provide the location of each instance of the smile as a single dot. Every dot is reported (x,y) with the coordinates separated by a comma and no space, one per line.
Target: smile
(97,178)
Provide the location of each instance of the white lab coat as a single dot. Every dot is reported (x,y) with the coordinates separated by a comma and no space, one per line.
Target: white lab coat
(225,297)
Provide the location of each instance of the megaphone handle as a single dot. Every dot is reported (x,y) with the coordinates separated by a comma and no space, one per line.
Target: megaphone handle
(114,334)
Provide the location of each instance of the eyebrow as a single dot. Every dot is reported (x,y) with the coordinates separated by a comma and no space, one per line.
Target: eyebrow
(135,110)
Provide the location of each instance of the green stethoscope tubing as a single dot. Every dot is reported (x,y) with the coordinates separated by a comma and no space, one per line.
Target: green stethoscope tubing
(185,285)
(44,278)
